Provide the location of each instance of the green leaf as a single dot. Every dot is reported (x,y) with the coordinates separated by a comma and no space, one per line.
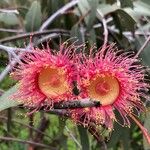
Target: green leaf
(121,134)
(33,17)
(92,37)
(117,22)
(87,9)
(111,1)
(146,1)
(61,135)
(106,9)
(143,7)
(9,18)
(127,23)
(126,3)
(147,126)
(76,33)
(140,9)
(92,16)
(84,8)
(6,100)
(84,138)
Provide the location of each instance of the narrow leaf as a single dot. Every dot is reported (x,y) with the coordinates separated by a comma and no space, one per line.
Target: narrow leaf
(76,33)
(126,21)
(6,100)
(84,7)
(147,126)
(92,15)
(84,138)
(120,134)
(33,17)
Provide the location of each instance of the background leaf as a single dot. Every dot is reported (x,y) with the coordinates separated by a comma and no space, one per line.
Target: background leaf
(9,18)
(84,138)
(126,22)
(33,17)
(147,126)
(126,3)
(6,100)
(121,134)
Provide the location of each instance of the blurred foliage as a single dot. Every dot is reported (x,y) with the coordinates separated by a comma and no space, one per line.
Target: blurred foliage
(128,24)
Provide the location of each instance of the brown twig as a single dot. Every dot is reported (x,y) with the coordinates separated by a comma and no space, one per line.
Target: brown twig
(76,104)
(31,119)
(27,142)
(98,137)
(60,112)
(11,30)
(37,33)
(25,125)
(42,127)
(1,92)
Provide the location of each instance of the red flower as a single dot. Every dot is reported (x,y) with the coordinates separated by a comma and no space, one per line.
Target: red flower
(116,80)
(45,76)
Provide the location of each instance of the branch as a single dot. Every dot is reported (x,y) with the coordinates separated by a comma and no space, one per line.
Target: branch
(142,47)
(76,104)
(58,13)
(59,112)
(45,38)
(44,26)
(60,108)
(10,49)
(104,22)
(73,137)
(101,142)
(25,125)
(15,11)
(44,123)
(13,62)
(11,30)
(27,142)
(36,33)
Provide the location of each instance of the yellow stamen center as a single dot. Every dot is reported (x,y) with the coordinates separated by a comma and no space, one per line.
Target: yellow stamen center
(52,81)
(104,88)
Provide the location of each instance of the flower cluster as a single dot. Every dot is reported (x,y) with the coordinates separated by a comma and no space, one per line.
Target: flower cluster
(114,78)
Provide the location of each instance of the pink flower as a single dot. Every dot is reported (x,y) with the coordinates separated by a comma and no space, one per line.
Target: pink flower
(45,76)
(116,79)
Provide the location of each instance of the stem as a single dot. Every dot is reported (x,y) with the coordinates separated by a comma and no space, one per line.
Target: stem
(27,142)
(142,48)
(36,33)
(14,61)
(25,125)
(143,129)
(104,22)
(92,129)
(76,104)
(58,13)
